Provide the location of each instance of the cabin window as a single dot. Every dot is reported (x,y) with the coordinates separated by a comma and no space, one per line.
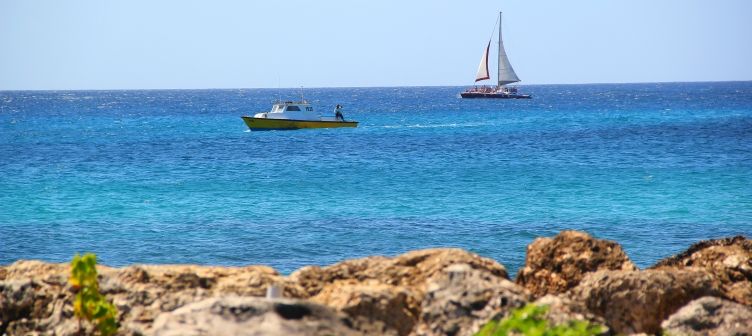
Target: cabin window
(293,108)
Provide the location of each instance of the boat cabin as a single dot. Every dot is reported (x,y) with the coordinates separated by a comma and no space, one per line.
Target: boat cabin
(289,106)
(292,110)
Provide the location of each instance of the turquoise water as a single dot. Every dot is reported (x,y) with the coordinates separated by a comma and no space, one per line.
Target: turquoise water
(174,176)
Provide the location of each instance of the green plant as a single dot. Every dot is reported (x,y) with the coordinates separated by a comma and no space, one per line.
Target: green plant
(90,304)
(530,321)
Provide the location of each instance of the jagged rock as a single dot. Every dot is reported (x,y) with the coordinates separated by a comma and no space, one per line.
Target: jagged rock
(461,299)
(554,265)
(33,297)
(375,308)
(156,289)
(402,279)
(252,316)
(140,293)
(728,259)
(562,310)
(426,292)
(37,270)
(18,299)
(314,278)
(638,301)
(710,316)
(411,269)
(30,307)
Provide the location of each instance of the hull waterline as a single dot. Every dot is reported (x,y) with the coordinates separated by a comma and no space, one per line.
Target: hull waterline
(493,95)
(265,124)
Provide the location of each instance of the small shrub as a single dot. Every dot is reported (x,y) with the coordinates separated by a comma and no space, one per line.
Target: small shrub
(90,304)
(530,321)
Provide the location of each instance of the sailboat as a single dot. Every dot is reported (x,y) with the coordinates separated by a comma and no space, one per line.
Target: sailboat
(506,75)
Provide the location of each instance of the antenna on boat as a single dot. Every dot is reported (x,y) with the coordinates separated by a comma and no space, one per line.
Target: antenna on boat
(279,89)
(301,95)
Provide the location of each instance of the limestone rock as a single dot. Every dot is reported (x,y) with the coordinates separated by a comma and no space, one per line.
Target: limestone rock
(375,308)
(385,295)
(152,289)
(426,292)
(251,316)
(562,310)
(140,293)
(18,299)
(554,265)
(638,301)
(461,299)
(56,274)
(32,297)
(728,259)
(710,316)
(411,269)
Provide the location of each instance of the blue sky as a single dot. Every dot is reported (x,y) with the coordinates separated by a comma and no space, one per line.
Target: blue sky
(141,44)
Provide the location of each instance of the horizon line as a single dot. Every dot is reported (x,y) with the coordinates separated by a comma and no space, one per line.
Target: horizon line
(374,87)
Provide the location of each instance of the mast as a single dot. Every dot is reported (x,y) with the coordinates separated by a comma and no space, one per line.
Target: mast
(501,51)
(506,73)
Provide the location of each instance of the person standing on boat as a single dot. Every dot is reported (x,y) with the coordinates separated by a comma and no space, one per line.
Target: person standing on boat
(338,113)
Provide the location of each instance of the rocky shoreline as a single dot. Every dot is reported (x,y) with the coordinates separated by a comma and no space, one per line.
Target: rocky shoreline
(706,290)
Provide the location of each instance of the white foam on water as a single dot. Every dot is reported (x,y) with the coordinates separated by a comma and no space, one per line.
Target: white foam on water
(452,125)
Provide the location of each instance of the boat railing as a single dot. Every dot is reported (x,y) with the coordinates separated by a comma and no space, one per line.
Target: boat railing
(287,102)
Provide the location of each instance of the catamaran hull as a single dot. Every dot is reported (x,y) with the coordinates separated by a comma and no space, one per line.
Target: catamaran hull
(266,124)
(493,95)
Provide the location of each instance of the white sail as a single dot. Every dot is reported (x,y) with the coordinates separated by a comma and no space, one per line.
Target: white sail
(506,73)
(483,66)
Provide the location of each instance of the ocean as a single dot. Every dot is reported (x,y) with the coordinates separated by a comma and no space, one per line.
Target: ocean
(174,176)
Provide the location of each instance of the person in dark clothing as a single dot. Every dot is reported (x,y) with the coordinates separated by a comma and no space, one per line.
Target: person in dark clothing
(338,113)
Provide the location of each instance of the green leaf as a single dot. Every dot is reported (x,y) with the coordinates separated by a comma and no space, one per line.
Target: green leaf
(530,320)
(89,304)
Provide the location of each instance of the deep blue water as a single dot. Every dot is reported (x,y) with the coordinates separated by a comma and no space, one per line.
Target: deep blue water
(174,176)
